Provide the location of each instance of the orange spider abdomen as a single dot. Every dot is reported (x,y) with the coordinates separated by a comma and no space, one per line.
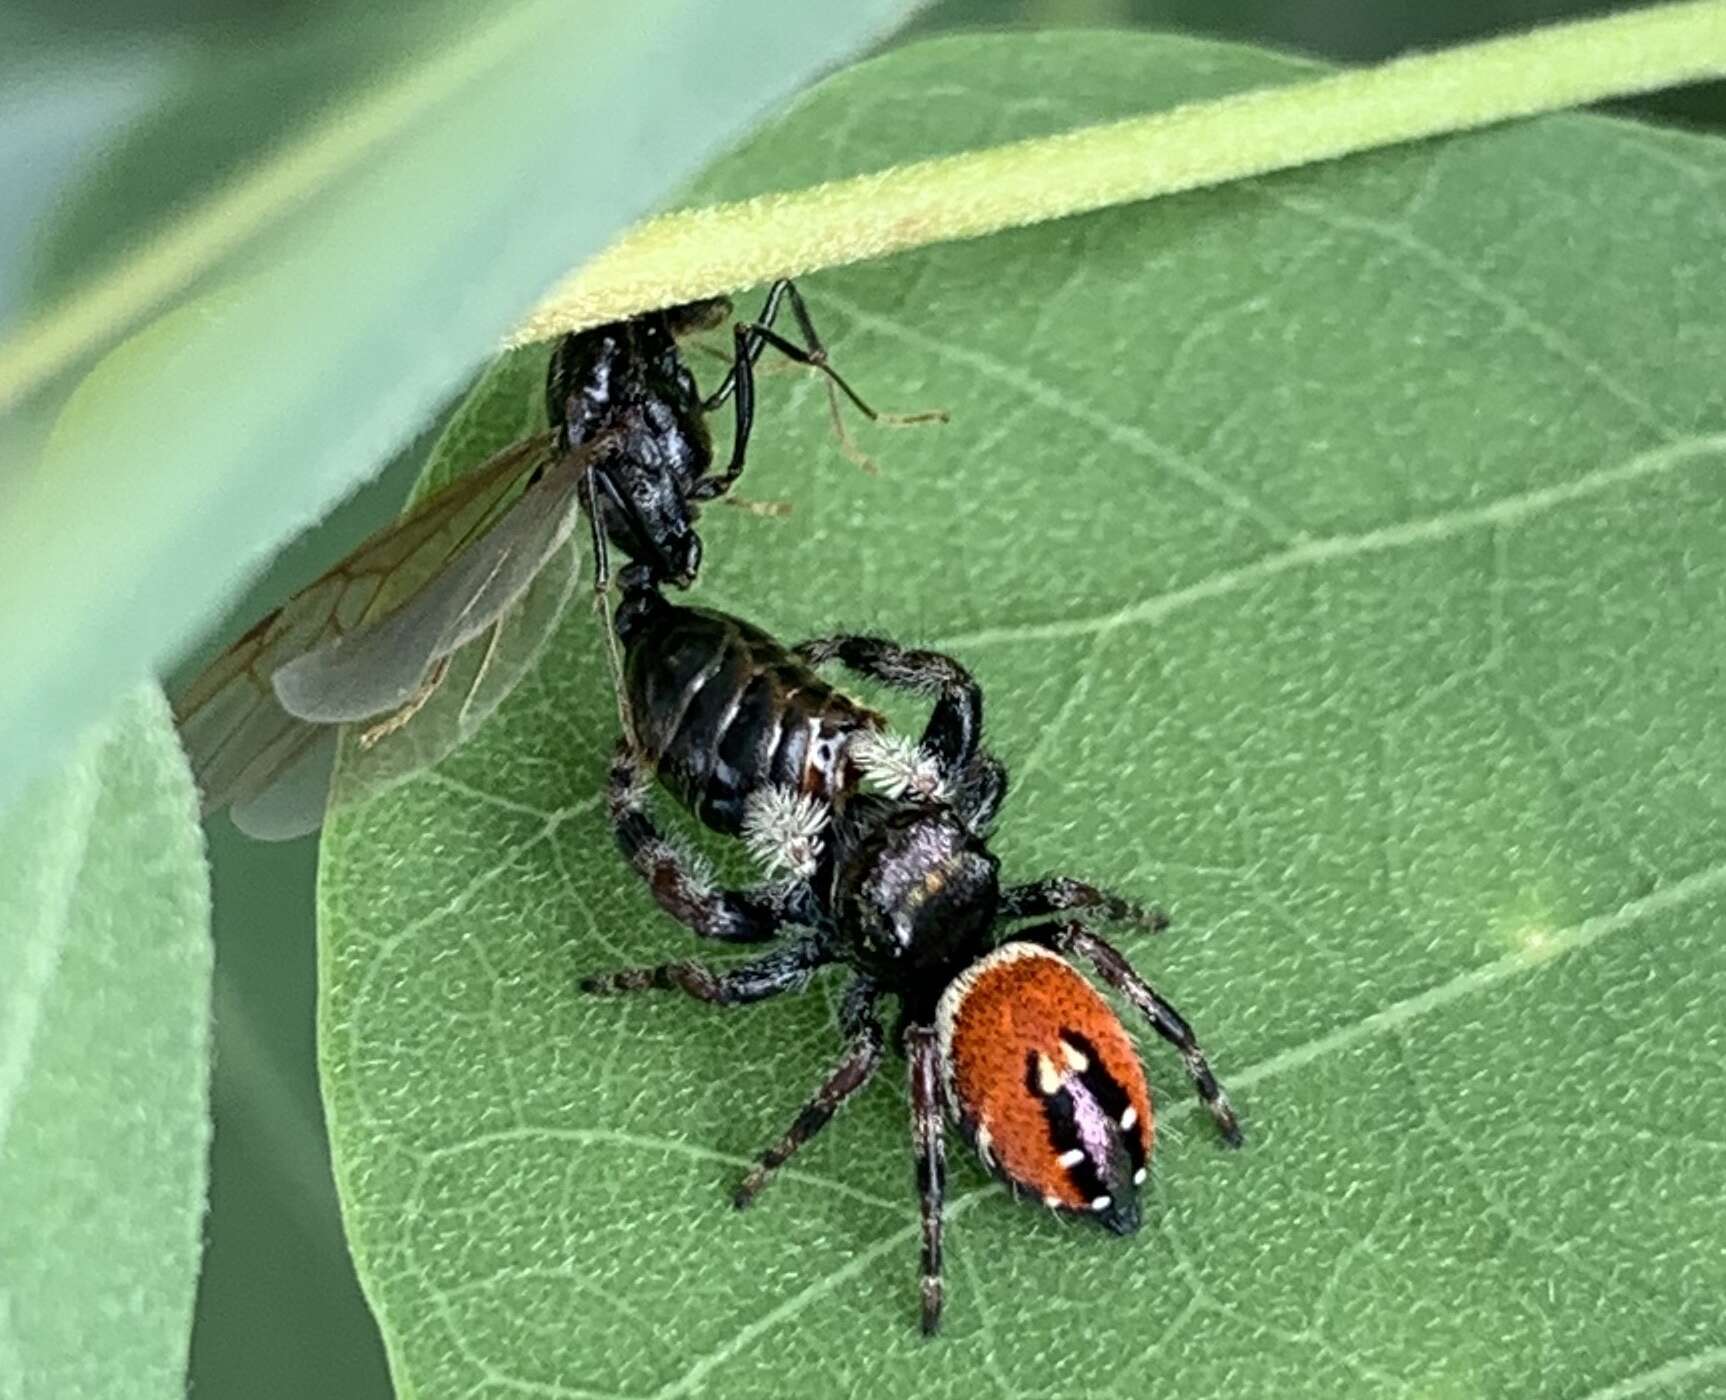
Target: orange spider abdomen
(1046,1083)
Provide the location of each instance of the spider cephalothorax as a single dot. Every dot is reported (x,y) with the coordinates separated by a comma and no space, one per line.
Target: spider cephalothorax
(879,851)
(912,885)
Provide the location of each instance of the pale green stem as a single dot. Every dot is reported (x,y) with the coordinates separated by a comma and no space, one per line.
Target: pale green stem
(705,251)
(702,252)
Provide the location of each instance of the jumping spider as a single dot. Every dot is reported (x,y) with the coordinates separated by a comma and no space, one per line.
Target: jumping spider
(883,845)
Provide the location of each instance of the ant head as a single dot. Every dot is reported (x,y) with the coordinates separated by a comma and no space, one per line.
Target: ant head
(919,889)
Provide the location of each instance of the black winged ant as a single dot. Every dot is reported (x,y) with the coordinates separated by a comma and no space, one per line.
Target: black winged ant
(896,882)
(372,640)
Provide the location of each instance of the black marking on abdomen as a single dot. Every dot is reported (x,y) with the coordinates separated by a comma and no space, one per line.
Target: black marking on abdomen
(1110,1093)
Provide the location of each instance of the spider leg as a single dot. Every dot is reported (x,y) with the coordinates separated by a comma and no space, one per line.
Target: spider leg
(1074,937)
(923,1057)
(679,882)
(785,969)
(955,727)
(981,791)
(1060,893)
(855,1069)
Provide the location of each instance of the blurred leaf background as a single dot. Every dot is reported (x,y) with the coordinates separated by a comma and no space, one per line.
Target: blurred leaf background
(279,1313)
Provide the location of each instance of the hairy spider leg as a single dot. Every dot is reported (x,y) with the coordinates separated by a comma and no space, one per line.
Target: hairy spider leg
(981,791)
(923,1061)
(1072,937)
(1060,894)
(680,883)
(865,1042)
(955,727)
(785,969)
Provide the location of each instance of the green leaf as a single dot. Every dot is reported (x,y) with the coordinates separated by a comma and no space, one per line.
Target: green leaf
(353,273)
(104,1067)
(1341,553)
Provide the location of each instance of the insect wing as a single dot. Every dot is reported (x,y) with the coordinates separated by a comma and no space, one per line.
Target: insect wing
(382,665)
(480,676)
(235,731)
(293,801)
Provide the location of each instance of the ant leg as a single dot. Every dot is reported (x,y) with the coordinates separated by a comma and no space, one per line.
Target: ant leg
(376,732)
(812,354)
(602,604)
(1073,937)
(752,337)
(816,359)
(738,385)
(743,361)
(783,970)
(679,882)
(1058,894)
(923,1054)
(749,339)
(955,726)
(759,334)
(493,637)
(771,510)
(855,1069)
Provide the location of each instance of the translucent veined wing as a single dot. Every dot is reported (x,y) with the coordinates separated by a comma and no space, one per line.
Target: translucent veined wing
(382,665)
(297,795)
(245,746)
(480,676)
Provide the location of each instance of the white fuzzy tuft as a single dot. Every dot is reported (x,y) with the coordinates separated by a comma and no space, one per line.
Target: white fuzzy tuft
(634,795)
(698,877)
(898,766)
(782,829)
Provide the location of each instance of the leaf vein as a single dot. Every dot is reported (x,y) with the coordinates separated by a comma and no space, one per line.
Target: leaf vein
(1678,895)
(1680,1368)
(1123,435)
(1513,509)
(1515,313)
(641,1142)
(690,1381)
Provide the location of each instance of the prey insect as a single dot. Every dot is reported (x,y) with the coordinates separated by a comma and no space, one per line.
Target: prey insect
(881,849)
(374,640)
